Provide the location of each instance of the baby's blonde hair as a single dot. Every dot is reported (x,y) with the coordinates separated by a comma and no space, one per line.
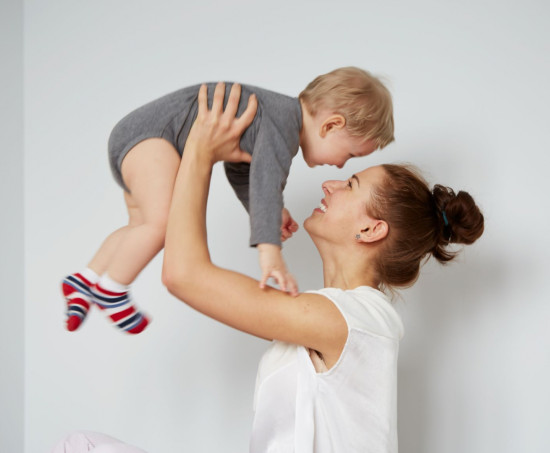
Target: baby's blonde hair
(359,97)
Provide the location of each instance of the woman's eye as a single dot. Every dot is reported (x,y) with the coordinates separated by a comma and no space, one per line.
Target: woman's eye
(349,183)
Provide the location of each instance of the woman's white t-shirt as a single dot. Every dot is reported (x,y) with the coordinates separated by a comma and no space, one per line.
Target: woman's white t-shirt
(350,408)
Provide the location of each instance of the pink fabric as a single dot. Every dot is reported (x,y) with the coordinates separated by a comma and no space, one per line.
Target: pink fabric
(87,441)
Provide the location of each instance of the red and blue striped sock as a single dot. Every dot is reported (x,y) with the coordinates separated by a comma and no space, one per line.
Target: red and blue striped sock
(77,291)
(114,299)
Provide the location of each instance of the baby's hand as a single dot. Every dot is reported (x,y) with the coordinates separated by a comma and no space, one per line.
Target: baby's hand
(273,266)
(288,226)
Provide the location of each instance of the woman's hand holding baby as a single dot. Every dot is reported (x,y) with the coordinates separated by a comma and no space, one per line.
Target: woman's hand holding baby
(215,136)
(216,133)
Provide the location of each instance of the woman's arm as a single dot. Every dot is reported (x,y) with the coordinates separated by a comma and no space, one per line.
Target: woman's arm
(234,299)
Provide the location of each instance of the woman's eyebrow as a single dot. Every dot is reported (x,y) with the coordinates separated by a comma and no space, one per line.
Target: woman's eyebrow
(357,179)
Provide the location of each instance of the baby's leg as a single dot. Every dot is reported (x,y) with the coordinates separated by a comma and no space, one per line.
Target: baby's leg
(149,170)
(104,255)
(77,287)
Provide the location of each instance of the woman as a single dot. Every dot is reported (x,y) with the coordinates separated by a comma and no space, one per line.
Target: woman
(328,382)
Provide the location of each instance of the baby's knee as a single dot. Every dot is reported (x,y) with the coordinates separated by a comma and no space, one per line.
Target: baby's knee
(157,231)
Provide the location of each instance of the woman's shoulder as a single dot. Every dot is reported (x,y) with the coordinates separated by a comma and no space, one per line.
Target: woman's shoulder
(366,309)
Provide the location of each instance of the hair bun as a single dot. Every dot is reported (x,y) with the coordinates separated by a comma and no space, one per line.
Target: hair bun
(460,218)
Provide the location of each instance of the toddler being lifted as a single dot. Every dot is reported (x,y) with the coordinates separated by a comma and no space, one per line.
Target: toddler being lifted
(343,114)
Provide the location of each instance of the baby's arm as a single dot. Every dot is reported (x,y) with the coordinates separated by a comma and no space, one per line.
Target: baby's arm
(271,258)
(259,186)
(273,266)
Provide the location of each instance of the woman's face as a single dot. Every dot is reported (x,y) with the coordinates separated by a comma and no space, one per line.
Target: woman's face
(342,213)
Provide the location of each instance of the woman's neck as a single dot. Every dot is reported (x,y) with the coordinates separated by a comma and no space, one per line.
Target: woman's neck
(348,272)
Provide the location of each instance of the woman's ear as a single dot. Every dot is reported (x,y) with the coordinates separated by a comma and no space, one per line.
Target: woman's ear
(332,123)
(375,231)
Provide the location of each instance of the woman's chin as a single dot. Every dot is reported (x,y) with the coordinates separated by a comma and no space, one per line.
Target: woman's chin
(308,226)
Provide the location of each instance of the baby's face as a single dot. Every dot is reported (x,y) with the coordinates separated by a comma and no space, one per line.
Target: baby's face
(336,148)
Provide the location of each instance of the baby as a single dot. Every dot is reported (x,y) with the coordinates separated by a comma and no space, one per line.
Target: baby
(343,114)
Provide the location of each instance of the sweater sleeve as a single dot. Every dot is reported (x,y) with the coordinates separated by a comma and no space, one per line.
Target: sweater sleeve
(271,160)
(272,140)
(259,186)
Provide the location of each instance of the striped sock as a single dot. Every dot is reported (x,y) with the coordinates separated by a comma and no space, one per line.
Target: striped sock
(77,291)
(114,299)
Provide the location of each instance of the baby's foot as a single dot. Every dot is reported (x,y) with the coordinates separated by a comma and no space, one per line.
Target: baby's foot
(77,291)
(114,299)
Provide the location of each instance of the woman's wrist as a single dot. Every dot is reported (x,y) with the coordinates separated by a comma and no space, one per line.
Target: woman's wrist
(199,153)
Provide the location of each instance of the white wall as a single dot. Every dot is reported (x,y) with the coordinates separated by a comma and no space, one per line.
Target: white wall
(12,301)
(470,83)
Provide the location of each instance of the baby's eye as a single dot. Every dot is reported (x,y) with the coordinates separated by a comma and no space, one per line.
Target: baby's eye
(349,183)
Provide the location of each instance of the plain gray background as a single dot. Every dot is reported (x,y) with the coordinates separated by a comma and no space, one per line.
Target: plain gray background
(470,85)
(12,354)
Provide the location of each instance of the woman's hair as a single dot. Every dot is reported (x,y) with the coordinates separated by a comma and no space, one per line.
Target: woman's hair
(359,97)
(422,222)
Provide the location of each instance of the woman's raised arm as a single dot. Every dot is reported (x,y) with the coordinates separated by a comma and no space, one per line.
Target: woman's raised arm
(234,299)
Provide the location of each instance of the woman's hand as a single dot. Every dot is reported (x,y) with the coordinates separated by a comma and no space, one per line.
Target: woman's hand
(216,133)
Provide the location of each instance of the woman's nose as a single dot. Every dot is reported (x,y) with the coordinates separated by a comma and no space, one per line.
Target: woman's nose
(332,185)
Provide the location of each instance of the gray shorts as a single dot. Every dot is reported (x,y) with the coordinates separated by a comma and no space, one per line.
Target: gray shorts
(169,117)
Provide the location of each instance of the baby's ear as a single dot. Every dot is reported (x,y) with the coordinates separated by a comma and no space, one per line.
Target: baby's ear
(332,123)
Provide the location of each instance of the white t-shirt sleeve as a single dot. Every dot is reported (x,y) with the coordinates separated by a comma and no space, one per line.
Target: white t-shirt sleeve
(366,309)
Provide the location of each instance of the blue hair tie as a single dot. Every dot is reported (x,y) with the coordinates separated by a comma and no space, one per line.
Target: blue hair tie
(445,221)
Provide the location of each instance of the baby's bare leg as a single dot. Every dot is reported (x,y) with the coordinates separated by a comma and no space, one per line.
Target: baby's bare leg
(77,287)
(106,252)
(149,170)
(104,255)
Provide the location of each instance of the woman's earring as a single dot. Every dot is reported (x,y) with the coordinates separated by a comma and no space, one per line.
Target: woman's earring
(357,236)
